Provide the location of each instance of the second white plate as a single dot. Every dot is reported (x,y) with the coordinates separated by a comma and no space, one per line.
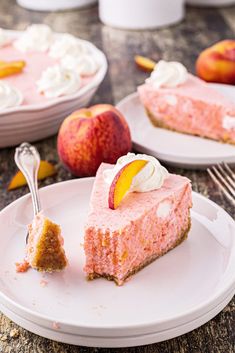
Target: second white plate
(172,147)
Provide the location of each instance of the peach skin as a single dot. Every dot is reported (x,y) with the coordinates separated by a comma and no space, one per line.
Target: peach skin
(217,63)
(91,136)
(122,182)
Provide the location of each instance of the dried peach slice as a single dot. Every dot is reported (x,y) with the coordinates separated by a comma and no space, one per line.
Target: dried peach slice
(145,64)
(11,68)
(46,169)
(122,182)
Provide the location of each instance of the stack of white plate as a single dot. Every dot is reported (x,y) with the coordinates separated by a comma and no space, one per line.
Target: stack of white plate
(175,294)
(34,122)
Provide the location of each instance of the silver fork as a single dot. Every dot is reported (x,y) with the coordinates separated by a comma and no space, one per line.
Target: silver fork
(27,160)
(224,177)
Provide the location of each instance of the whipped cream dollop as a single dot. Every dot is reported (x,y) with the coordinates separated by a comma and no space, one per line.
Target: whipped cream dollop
(37,37)
(67,44)
(4,38)
(168,74)
(151,177)
(164,209)
(228,122)
(58,81)
(9,96)
(84,65)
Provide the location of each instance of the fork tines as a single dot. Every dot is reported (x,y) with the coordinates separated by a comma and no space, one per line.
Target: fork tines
(224,177)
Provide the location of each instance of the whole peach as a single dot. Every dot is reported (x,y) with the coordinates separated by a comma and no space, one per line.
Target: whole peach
(91,136)
(217,63)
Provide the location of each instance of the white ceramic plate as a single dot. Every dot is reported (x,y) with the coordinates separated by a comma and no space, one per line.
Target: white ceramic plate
(159,302)
(125,341)
(172,147)
(21,123)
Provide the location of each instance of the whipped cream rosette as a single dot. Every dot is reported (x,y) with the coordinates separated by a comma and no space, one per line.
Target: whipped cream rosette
(9,96)
(58,81)
(168,74)
(67,44)
(37,37)
(84,65)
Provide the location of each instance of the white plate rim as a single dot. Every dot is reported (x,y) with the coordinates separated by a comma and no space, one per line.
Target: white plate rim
(119,341)
(45,105)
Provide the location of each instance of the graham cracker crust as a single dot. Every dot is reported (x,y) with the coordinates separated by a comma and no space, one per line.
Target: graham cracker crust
(50,255)
(149,260)
(158,123)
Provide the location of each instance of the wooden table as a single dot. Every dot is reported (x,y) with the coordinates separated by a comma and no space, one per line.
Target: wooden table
(182,42)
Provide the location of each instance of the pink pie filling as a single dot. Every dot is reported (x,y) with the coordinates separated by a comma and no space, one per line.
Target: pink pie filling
(25,82)
(194,108)
(145,226)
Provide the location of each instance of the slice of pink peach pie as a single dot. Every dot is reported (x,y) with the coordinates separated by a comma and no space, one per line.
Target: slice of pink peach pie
(138,212)
(178,101)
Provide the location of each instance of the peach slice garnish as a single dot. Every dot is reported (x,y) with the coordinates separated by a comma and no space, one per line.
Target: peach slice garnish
(11,68)
(122,182)
(46,169)
(145,64)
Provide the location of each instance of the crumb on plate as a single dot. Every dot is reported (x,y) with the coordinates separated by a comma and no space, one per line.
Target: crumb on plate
(55,325)
(14,333)
(43,283)
(22,266)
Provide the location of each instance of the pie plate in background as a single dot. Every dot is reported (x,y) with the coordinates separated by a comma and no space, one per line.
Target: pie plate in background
(160,302)
(37,121)
(175,148)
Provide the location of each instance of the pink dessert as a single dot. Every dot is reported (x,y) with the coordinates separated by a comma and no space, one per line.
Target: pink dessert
(36,63)
(39,65)
(25,82)
(192,107)
(145,226)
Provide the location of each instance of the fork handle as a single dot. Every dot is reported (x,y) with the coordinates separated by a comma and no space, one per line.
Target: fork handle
(27,159)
